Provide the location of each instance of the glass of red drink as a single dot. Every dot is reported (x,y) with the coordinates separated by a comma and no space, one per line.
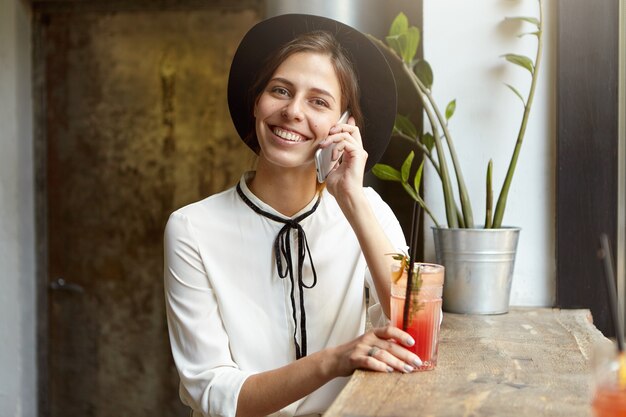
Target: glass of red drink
(424,314)
(609,397)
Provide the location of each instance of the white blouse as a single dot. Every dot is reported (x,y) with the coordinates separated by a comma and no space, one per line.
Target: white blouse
(230,314)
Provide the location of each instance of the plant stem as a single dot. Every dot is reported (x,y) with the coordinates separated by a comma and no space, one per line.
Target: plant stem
(423,148)
(448,196)
(504,192)
(435,165)
(489,202)
(463,194)
(459,216)
(430,214)
(443,168)
(429,155)
(415,196)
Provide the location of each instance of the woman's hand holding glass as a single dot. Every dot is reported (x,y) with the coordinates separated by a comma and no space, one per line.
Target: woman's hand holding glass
(381,349)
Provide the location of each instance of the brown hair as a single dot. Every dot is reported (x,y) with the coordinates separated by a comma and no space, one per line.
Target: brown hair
(321,42)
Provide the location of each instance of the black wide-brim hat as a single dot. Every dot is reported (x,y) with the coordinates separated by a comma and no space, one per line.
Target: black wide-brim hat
(375,79)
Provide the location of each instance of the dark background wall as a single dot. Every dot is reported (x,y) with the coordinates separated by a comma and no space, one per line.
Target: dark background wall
(587,151)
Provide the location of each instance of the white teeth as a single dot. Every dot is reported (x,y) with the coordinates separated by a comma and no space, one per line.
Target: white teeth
(293,137)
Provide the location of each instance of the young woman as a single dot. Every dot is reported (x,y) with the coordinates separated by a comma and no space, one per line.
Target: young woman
(265,282)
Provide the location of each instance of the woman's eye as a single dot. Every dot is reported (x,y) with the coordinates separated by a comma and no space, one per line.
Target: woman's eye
(320,102)
(280,91)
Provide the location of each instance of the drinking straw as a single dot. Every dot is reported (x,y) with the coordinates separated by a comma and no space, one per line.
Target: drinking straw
(415,219)
(605,254)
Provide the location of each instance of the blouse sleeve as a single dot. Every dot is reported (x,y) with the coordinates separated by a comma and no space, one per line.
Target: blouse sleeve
(389,223)
(210,381)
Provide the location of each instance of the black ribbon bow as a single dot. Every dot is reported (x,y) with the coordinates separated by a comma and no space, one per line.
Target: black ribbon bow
(282,250)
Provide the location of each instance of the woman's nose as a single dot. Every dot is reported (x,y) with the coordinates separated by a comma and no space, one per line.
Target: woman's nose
(293,110)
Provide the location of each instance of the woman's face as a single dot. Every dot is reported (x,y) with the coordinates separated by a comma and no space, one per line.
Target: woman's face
(297,108)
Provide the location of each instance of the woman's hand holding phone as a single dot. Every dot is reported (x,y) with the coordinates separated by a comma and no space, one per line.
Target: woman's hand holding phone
(324,162)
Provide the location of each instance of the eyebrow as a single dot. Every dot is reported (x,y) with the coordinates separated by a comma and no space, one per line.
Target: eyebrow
(315,89)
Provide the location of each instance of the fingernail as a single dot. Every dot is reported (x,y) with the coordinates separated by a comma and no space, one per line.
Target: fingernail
(389,369)
(410,341)
(408,368)
(417,362)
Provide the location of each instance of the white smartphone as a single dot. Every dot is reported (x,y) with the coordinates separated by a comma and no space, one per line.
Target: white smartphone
(324,156)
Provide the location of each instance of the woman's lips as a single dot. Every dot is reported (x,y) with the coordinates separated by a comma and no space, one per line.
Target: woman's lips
(288,135)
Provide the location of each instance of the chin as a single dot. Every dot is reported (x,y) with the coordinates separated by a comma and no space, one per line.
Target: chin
(289,162)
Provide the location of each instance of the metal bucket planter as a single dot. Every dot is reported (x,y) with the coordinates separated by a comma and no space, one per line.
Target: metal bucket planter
(479,268)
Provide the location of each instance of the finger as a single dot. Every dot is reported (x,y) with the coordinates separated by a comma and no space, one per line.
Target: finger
(391,360)
(343,142)
(370,360)
(347,128)
(353,137)
(337,153)
(335,139)
(392,332)
(395,342)
(403,354)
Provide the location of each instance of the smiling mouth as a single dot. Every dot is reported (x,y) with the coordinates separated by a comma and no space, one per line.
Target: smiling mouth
(289,136)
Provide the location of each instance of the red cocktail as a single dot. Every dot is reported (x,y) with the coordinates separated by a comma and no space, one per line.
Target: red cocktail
(609,400)
(424,315)
(609,368)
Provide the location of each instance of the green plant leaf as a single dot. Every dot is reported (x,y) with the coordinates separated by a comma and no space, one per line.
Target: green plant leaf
(417,180)
(521,60)
(428,140)
(406,167)
(412,42)
(405,44)
(532,20)
(394,43)
(489,198)
(404,125)
(410,191)
(399,25)
(386,173)
(425,73)
(403,39)
(450,108)
(517,93)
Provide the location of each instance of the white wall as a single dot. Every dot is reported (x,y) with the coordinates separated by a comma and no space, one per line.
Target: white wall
(17,239)
(463,41)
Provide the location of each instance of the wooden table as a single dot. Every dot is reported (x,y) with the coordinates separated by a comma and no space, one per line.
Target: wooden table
(529,362)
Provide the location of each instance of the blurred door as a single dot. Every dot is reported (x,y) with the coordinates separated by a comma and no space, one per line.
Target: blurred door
(135,125)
